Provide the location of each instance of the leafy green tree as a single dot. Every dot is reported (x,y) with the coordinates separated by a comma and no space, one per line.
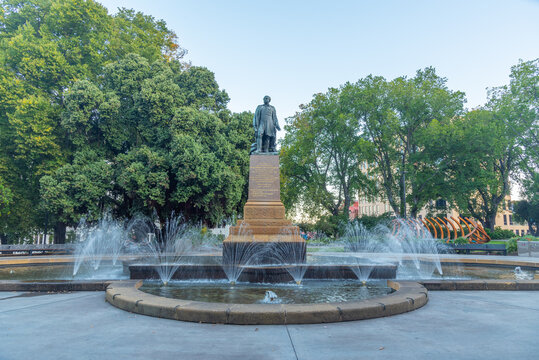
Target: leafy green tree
(174,148)
(524,93)
(6,198)
(143,177)
(320,157)
(77,189)
(394,117)
(210,181)
(201,90)
(482,159)
(528,211)
(490,146)
(45,47)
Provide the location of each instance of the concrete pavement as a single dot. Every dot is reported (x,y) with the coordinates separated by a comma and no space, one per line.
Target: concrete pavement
(453,325)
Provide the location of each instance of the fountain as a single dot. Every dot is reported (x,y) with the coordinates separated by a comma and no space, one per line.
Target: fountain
(290,254)
(263,247)
(166,245)
(105,239)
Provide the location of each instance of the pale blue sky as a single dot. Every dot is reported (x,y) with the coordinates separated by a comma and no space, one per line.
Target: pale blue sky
(293,49)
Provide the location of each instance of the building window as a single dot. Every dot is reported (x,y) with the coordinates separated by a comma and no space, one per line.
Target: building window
(441,204)
(510,219)
(505,219)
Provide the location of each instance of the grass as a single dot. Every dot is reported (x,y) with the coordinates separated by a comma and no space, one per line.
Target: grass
(325,249)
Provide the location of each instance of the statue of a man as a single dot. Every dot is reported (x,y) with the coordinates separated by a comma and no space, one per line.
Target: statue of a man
(266,126)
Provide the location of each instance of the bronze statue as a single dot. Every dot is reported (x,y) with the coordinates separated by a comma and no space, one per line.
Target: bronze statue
(266,125)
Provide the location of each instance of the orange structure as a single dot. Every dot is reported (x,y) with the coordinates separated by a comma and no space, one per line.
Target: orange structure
(474,233)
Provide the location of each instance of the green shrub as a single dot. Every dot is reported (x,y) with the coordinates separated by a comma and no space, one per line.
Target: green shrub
(371,221)
(323,240)
(331,225)
(460,241)
(306,227)
(528,238)
(499,233)
(511,246)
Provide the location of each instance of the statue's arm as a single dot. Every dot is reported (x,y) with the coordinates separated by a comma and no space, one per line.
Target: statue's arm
(256,118)
(275,121)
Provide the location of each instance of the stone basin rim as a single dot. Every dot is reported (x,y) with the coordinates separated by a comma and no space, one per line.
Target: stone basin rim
(408,296)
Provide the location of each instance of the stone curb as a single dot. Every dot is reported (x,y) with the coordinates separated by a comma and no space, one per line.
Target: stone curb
(509,285)
(53,286)
(125,295)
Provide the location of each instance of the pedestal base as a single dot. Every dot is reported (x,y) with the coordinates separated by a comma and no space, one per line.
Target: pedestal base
(264,236)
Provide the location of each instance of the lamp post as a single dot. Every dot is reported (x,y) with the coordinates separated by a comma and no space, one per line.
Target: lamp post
(403,214)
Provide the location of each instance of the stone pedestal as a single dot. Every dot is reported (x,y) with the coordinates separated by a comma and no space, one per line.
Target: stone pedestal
(264,225)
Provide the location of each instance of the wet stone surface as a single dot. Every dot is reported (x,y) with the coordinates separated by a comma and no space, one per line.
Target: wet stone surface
(289,293)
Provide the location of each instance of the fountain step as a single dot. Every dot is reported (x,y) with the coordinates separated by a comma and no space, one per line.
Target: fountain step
(265,273)
(260,249)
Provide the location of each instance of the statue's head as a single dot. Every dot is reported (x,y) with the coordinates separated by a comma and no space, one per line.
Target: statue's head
(267,99)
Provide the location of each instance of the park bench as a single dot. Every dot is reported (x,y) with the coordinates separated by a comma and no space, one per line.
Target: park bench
(40,249)
(489,248)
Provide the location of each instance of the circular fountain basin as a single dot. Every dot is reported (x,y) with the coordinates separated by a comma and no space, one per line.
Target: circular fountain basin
(310,291)
(62,272)
(406,297)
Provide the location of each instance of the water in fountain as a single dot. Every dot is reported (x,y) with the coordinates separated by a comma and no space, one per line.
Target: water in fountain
(361,240)
(243,252)
(166,245)
(291,254)
(270,298)
(103,240)
(414,248)
(420,250)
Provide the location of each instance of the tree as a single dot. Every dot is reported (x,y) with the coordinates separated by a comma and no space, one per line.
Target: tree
(6,198)
(173,147)
(524,90)
(529,212)
(492,145)
(482,157)
(394,117)
(45,47)
(75,190)
(320,157)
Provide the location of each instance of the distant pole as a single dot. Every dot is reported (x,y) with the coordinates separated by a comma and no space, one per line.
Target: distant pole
(46,228)
(404,194)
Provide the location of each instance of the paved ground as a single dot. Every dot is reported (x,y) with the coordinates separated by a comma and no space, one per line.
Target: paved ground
(453,325)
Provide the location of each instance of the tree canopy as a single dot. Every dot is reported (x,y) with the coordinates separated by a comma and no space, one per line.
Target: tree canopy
(321,156)
(369,137)
(97,112)
(416,143)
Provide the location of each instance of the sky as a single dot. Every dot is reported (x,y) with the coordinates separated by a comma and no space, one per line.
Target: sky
(291,50)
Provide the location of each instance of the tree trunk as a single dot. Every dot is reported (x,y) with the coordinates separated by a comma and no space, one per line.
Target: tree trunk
(490,221)
(60,233)
(3,239)
(403,189)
